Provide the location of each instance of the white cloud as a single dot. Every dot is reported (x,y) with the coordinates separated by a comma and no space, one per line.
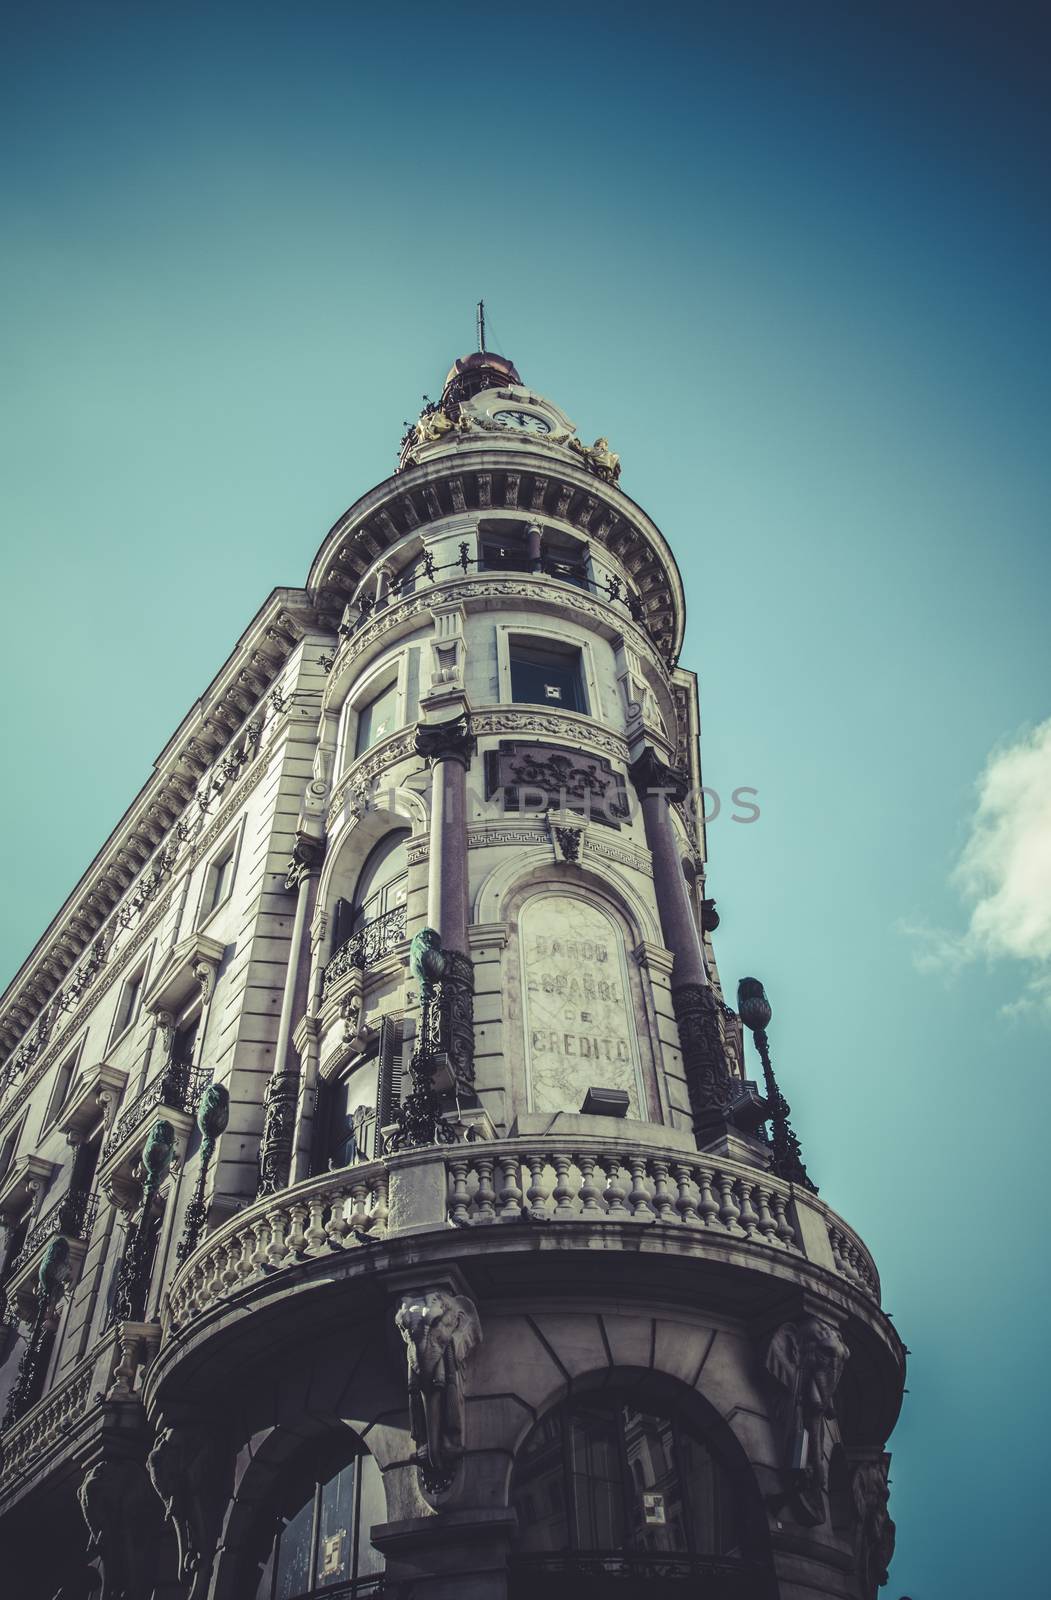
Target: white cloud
(1004,874)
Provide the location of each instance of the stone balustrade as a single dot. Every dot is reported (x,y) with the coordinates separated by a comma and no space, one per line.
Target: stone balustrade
(549,1180)
(335,1211)
(27,1441)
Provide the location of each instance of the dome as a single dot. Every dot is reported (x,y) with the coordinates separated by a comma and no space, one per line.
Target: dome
(471,374)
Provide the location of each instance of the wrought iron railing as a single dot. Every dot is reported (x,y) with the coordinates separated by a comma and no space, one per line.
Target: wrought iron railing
(369,944)
(178,1086)
(73,1215)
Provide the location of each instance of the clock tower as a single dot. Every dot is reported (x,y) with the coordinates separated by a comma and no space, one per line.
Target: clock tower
(397,1201)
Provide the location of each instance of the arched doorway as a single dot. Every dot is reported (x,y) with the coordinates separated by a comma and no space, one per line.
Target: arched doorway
(617,1494)
(312,1535)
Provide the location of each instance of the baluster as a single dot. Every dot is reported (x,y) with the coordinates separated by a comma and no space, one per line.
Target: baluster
(748,1216)
(767,1225)
(315,1236)
(639,1197)
(590,1191)
(707,1205)
(213,1287)
(510,1195)
(684,1204)
(228,1275)
(616,1190)
(261,1229)
(278,1247)
(297,1239)
(663,1202)
(484,1196)
(563,1191)
(785,1231)
(339,1224)
(729,1211)
(381,1210)
(459,1199)
(537,1191)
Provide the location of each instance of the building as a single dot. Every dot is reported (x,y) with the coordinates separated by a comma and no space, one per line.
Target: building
(388,1205)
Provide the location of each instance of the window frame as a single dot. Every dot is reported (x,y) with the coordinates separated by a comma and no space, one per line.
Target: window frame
(70,1059)
(227,852)
(390,673)
(509,635)
(138,974)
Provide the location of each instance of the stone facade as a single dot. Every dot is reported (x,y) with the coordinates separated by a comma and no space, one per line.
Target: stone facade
(387,1207)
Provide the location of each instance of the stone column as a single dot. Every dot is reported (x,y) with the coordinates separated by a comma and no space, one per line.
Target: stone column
(282,1092)
(710,1081)
(448,747)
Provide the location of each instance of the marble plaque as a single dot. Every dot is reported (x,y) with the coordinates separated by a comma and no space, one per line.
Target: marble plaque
(580,1030)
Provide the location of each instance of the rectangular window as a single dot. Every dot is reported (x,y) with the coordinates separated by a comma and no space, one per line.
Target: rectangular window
(128,1004)
(219,881)
(505,555)
(377,719)
(60,1092)
(551,676)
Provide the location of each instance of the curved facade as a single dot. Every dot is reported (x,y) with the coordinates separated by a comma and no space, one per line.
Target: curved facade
(389,1206)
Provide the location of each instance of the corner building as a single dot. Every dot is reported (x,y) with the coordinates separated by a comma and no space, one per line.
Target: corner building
(388,1206)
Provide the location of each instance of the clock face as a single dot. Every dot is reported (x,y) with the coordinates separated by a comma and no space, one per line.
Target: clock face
(523,420)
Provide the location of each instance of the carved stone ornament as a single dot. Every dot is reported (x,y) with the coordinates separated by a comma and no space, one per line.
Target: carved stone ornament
(306,857)
(543,777)
(184,1466)
(445,741)
(651,775)
(123,1518)
(875,1532)
(804,1362)
(440,1330)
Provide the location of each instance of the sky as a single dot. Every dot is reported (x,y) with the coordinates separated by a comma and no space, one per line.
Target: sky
(792,259)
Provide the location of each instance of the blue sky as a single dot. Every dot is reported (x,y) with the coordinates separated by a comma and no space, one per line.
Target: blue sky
(793,260)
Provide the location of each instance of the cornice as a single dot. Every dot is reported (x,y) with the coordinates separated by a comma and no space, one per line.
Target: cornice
(193,770)
(488,479)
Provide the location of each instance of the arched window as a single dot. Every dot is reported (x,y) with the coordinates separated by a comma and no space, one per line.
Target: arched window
(371,924)
(313,1535)
(612,1494)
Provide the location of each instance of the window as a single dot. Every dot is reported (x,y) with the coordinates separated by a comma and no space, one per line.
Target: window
(315,1531)
(606,1474)
(7,1150)
(504,553)
(219,879)
(550,675)
(63,1082)
(383,881)
(128,1004)
(184,1042)
(376,719)
(352,1102)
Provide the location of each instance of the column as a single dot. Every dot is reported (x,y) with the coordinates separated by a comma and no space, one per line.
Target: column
(282,1091)
(711,1084)
(448,747)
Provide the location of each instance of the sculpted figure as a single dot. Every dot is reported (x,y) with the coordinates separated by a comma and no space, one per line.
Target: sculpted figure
(875,1527)
(432,426)
(182,1469)
(805,1360)
(440,1330)
(118,1506)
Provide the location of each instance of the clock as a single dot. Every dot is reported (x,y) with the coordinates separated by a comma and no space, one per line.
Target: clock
(523,420)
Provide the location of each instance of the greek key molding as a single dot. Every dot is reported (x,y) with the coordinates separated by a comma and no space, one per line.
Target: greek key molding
(627,854)
(478,838)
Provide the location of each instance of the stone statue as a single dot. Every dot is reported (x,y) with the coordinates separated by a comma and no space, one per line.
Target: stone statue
(805,1361)
(432,426)
(440,1330)
(182,1468)
(598,456)
(118,1506)
(875,1534)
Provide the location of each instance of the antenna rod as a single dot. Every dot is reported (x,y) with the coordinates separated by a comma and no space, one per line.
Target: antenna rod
(481,324)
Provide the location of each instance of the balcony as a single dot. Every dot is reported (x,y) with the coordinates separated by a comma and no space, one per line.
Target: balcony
(586,1195)
(72,1218)
(172,1094)
(363,949)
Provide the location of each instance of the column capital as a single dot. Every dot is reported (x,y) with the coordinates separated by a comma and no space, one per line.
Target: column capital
(651,775)
(446,741)
(307,855)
